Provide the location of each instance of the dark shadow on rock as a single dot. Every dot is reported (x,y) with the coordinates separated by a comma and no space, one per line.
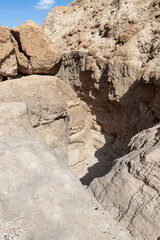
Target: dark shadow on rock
(104,165)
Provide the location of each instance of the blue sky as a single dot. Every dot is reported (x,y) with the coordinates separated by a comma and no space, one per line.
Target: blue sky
(15,12)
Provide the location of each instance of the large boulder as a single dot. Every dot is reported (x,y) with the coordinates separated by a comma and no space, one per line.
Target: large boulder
(43,56)
(8,62)
(56,112)
(40,197)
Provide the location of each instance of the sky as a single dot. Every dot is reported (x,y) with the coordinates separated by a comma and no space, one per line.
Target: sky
(15,12)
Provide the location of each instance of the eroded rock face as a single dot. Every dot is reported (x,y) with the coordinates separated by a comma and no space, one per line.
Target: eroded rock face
(108,48)
(111,58)
(43,56)
(56,112)
(132,188)
(8,62)
(40,197)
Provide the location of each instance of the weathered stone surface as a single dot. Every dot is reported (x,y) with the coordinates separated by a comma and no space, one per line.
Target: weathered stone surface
(8,62)
(40,197)
(132,188)
(56,112)
(107,48)
(111,58)
(42,54)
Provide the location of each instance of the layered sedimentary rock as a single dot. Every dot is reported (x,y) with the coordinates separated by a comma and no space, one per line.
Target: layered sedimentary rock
(40,197)
(56,112)
(107,46)
(132,188)
(8,62)
(43,56)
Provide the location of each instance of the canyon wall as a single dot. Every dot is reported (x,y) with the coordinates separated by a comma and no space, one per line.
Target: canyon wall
(106,49)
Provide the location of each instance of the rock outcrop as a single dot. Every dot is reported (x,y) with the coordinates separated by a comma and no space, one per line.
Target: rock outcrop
(132,188)
(8,62)
(40,197)
(43,56)
(106,48)
(56,112)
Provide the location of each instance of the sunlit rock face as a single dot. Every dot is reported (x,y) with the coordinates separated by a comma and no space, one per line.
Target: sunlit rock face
(109,48)
(57,113)
(43,56)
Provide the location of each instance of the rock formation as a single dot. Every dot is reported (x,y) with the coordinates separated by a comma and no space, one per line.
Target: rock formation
(56,112)
(106,48)
(99,113)
(132,188)
(40,197)
(28,50)
(42,55)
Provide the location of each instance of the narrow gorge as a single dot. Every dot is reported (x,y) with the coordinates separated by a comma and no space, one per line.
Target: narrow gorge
(87,81)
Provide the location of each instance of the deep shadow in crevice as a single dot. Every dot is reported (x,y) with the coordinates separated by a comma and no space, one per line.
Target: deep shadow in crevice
(133,113)
(105,163)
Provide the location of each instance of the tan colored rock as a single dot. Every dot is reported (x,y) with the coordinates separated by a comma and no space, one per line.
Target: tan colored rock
(120,84)
(128,33)
(131,189)
(127,43)
(56,112)
(40,197)
(8,62)
(42,54)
